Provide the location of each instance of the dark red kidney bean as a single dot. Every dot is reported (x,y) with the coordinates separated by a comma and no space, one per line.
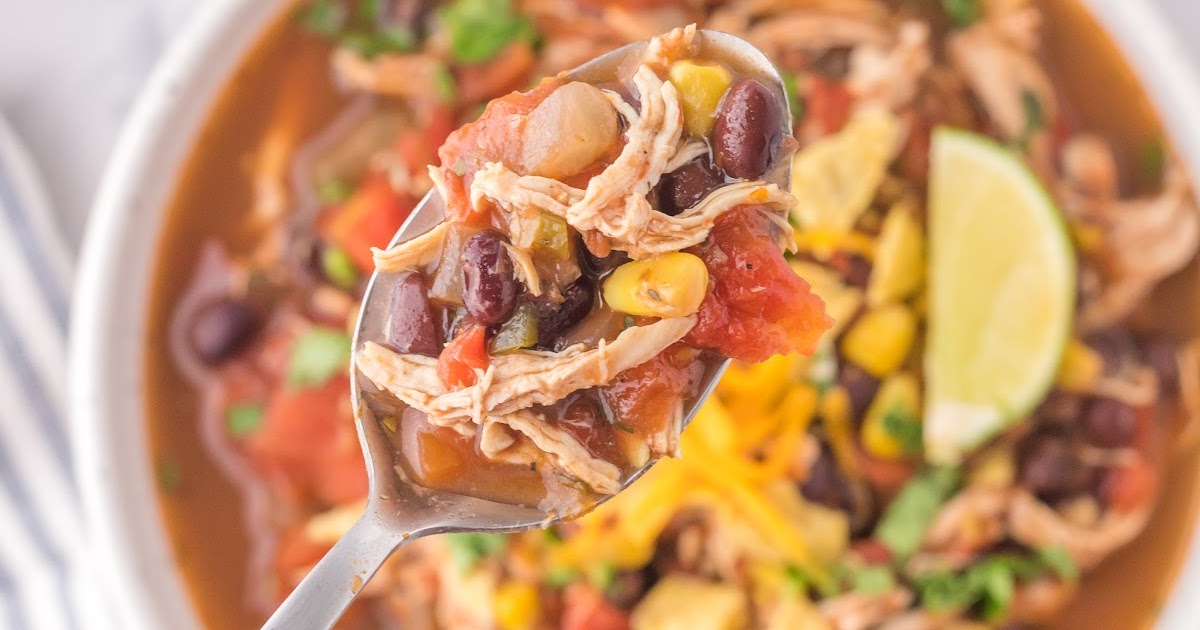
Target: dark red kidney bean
(1159,353)
(490,289)
(1049,468)
(827,485)
(222,328)
(853,268)
(1109,423)
(747,137)
(686,186)
(599,267)
(1114,345)
(557,318)
(411,328)
(860,387)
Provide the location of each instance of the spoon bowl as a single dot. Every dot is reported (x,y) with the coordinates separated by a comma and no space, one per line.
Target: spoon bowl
(398,509)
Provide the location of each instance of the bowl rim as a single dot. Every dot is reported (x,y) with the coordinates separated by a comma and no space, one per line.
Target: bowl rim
(130,547)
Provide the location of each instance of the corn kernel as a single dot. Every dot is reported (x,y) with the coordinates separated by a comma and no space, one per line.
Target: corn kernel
(671,285)
(700,88)
(892,429)
(1081,367)
(516,606)
(995,468)
(899,259)
(880,340)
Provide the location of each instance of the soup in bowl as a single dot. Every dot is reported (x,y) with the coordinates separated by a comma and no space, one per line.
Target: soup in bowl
(820,491)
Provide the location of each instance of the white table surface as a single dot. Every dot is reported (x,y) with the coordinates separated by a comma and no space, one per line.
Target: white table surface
(70,70)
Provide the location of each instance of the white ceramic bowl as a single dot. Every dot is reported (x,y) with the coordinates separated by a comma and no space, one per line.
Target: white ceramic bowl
(111,300)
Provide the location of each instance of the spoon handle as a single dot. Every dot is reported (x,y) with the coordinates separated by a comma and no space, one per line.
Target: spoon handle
(326,592)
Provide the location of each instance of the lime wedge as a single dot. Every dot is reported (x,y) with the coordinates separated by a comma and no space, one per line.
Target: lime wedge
(1001,293)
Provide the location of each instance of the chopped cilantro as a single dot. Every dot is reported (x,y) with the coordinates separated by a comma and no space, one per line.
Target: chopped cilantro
(243,419)
(468,549)
(1152,159)
(479,29)
(995,582)
(338,267)
(900,423)
(872,580)
(551,536)
(370,44)
(627,323)
(316,356)
(962,13)
(443,80)
(561,577)
(1057,559)
(990,583)
(904,523)
(168,475)
(795,101)
(942,591)
(323,17)
(371,10)
(1035,117)
(602,575)
(334,191)
(800,580)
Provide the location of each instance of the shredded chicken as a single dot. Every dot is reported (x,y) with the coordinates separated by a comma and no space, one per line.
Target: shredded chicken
(526,438)
(1036,525)
(1137,387)
(635,228)
(970,522)
(856,611)
(412,76)
(889,76)
(413,253)
(667,48)
(816,31)
(1039,602)
(524,269)
(1146,241)
(515,381)
(997,59)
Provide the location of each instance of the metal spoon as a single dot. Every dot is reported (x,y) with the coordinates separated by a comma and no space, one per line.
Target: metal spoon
(398,510)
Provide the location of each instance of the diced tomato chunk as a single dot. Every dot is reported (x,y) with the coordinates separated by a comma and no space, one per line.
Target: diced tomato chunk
(369,218)
(491,138)
(1130,486)
(827,106)
(756,306)
(418,146)
(643,396)
(457,364)
(584,608)
(308,439)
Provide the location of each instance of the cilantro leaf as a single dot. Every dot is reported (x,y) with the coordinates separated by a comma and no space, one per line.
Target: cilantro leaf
(906,519)
(479,29)
(900,423)
(243,419)
(872,580)
(1035,117)
(1059,560)
(962,13)
(468,549)
(317,356)
(322,17)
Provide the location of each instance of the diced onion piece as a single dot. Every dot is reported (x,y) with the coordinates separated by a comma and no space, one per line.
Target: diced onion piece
(569,131)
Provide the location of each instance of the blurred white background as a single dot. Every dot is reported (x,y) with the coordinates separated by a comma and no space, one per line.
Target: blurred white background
(70,70)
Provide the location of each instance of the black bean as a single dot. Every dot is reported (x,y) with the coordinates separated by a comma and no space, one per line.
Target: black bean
(221,329)
(490,289)
(686,186)
(411,328)
(1115,346)
(748,134)
(853,268)
(860,386)
(827,485)
(1160,354)
(599,267)
(557,318)
(1109,423)
(1050,469)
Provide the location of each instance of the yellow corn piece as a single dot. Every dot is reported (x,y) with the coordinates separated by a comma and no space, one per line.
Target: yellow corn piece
(700,87)
(880,340)
(835,413)
(823,243)
(1081,367)
(995,468)
(899,394)
(671,285)
(516,606)
(799,402)
(899,258)
(1088,237)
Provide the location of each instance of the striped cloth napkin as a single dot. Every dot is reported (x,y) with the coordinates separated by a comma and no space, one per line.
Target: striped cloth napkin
(45,578)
